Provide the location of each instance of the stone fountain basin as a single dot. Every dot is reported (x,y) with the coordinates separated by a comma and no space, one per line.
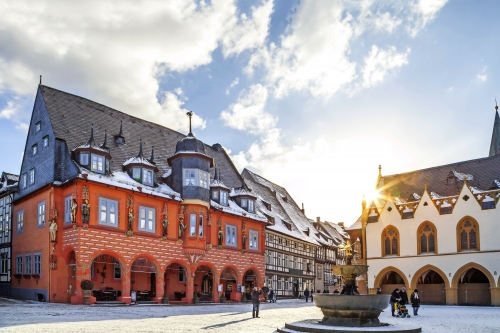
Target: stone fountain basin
(352,302)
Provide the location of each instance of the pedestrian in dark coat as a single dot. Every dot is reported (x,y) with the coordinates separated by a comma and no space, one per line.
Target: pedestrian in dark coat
(379,291)
(306,294)
(415,301)
(256,292)
(395,297)
(403,295)
(271,296)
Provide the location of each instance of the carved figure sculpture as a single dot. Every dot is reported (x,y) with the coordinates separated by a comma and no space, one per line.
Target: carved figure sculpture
(244,236)
(181,228)
(74,208)
(221,236)
(85,211)
(130,218)
(53,230)
(165,227)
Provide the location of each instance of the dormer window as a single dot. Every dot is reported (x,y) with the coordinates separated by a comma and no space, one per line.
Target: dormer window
(84,158)
(45,141)
(38,126)
(195,177)
(244,203)
(215,195)
(147,177)
(223,198)
(97,163)
(250,206)
(451,178)
(136,174)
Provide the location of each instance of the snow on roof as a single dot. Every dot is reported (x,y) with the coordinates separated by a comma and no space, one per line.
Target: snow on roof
(356,225)
(463,176)
(434,195)
(218,183)
(240,191)
(138,160)
(86,145)
(234,209)
(282,209)
(123,180)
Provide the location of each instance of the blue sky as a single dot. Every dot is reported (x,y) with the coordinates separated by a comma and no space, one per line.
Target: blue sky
(313,95)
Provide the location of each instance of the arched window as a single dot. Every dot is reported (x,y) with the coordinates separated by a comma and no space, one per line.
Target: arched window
(468,235)
(390,241)
(426,238)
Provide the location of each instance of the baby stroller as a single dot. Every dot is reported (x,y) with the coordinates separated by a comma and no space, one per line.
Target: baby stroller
(402,311)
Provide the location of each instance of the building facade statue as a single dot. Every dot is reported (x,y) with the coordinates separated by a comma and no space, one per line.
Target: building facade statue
(85,211)
(53,230)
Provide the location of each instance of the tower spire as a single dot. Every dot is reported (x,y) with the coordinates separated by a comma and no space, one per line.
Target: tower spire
(495,135)
(152,159)
(91,139)
(105,139)
(190,115)
(140,149)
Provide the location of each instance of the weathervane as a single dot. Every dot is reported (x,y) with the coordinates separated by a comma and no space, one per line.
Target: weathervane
(496,104)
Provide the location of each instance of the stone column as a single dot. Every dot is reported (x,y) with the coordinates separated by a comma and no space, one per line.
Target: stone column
(451,296)
(215,292)
(125,297)
(160,287)
(189,286)
(495,296)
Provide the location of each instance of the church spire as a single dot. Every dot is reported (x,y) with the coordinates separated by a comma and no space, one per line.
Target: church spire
(495,136)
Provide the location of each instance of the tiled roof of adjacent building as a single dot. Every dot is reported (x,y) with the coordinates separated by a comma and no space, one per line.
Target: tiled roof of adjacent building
(283,208)
(72,117)
(480,173)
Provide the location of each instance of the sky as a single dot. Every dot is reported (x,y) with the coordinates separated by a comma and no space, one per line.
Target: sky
(312,95)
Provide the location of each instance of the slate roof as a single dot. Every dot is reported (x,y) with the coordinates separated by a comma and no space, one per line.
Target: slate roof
(283,208)
(72,116)
(495,136)
(480,173)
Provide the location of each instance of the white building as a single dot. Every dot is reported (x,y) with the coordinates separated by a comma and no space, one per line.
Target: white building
(438,230)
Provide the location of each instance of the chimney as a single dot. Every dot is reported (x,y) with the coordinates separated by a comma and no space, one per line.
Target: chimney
(341,224)
(318,219)
(303,210)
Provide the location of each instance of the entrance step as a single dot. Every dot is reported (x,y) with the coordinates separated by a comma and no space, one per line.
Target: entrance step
(146,302)
(110,303)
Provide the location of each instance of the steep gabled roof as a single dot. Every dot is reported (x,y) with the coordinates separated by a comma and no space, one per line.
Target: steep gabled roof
(480,173)
(72,116)
(283,208)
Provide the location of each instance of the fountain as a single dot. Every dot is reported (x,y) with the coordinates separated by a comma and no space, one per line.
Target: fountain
(348,312)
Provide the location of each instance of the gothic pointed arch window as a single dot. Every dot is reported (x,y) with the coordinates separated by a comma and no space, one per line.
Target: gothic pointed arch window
(390,241)
(427,238)
(467,235)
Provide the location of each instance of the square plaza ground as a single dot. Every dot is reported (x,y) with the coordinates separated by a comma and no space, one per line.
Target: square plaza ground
(17,316)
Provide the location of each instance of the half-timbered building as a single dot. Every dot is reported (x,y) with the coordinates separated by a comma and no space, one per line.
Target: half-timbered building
(8,186)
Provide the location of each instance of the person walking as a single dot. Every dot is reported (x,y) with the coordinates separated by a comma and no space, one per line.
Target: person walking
(306,294)
(415,301)
(256,292)
(271,295)
(379,291)
(403,295)
(395,297)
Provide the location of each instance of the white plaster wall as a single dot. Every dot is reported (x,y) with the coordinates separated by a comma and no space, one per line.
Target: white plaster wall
(447,258)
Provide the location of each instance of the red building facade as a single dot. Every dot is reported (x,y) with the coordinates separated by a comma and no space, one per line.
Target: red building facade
(178,225)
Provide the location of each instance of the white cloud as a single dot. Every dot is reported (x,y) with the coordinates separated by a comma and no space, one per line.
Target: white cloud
(9,111)
(482,77)
(314,54)
(248,33)
(116,51)
(234,83)
(248,114)
(176,115)
(379,62)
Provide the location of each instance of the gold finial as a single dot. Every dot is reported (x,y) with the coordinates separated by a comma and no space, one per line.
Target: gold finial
(380,170)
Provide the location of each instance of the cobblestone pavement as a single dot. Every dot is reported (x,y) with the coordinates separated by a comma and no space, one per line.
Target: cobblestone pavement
(30,316)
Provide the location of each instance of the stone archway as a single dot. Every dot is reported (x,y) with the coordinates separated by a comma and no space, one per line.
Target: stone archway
(71,271)
(229,280)
(473,283)
(176,278)
(204,284)
(106,273)
(143,276)
(431,283)
(390,278)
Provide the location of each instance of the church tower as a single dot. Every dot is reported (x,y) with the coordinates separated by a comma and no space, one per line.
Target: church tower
(495,136)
